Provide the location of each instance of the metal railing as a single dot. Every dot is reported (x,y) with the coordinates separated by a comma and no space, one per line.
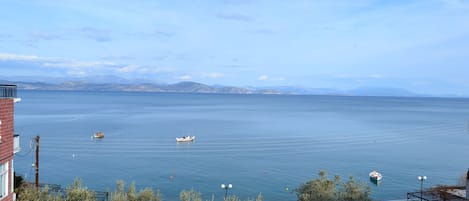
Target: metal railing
(7,91)
(56,188)
(434,195)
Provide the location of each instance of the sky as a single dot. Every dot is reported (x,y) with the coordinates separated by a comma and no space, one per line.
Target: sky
(421,46)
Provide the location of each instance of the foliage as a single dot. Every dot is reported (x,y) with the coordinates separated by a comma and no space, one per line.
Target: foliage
(325,189)
(352,190)
(28,192)
(191,195)
(259,197)
(18,181)
(146,194)
(77,192)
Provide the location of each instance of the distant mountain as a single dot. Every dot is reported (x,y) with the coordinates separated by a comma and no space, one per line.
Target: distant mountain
(382,91)
(304,90)
(181,87)
(195,87)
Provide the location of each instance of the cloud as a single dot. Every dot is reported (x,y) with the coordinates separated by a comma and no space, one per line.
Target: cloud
(369,76)
(268,78)
(16,57)
(54,62)
(265,31)
(235,17)
(214,75)
(114,57)
(237,2)
(460,4)
(5,36)
(157,33)
(41,35)
(263,77)
(80,68)
(99,35)
(142,69)
(78,64)
(184,77)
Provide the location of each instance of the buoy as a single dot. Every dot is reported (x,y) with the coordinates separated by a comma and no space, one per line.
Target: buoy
(286,189)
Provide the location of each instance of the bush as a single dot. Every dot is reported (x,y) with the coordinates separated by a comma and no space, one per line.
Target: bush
(325,189)
(131,195)
(77,192)
(28,192)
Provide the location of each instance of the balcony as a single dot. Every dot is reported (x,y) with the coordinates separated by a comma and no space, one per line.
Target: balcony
(7,91)
(16,143)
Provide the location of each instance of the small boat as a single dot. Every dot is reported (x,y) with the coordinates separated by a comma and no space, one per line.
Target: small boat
(375,176)
(99,134)
(185,139)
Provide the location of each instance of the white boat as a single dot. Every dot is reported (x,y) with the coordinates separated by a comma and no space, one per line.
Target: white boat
(375,176)
(99,134)
(185,139)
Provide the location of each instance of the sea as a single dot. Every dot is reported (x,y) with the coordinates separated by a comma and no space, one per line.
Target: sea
(268,144)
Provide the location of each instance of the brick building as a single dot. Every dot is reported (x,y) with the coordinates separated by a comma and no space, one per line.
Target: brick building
(9,142)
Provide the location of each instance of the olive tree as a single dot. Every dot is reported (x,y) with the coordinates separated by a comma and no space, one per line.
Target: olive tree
(28,192)
(191,195)
(353,190)
(325,189)
(77,192)
(146,194)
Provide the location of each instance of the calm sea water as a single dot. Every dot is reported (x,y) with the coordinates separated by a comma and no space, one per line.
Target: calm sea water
(258,143)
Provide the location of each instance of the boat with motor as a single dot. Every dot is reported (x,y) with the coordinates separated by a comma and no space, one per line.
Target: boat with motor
(375,176)
(185,138)
(99,134)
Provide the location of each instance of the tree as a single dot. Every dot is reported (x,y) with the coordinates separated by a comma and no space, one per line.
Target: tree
(191,195)
(77,192)
(325,189)
(28,192)
(131,195)
(321,189)
(352,190)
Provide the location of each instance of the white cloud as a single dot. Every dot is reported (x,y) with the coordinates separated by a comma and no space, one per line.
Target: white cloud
(214,75)
(128,69)
(456,3)
(268,78)
(76,73)
(78,64)
(80,67)
(263,77)
(280,79)
(373,76)
(141,69)
(184,77)
(16,57)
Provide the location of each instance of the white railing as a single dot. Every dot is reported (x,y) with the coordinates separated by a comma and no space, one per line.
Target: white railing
(16,144)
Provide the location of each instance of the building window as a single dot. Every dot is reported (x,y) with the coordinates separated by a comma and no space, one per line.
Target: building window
(3,180)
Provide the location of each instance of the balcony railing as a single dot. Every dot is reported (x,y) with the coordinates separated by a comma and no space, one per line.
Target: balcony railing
(7,91)
(16,143)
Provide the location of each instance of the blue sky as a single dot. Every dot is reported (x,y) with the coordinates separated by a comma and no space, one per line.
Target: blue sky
(422,46)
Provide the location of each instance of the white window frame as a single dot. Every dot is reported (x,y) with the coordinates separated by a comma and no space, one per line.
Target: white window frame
(12,178)
(3,180)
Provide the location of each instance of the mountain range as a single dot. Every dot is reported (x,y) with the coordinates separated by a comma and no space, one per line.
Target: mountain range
(195,87)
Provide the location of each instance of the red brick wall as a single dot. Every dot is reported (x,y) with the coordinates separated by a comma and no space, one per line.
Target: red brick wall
(9,197)
(7,131)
